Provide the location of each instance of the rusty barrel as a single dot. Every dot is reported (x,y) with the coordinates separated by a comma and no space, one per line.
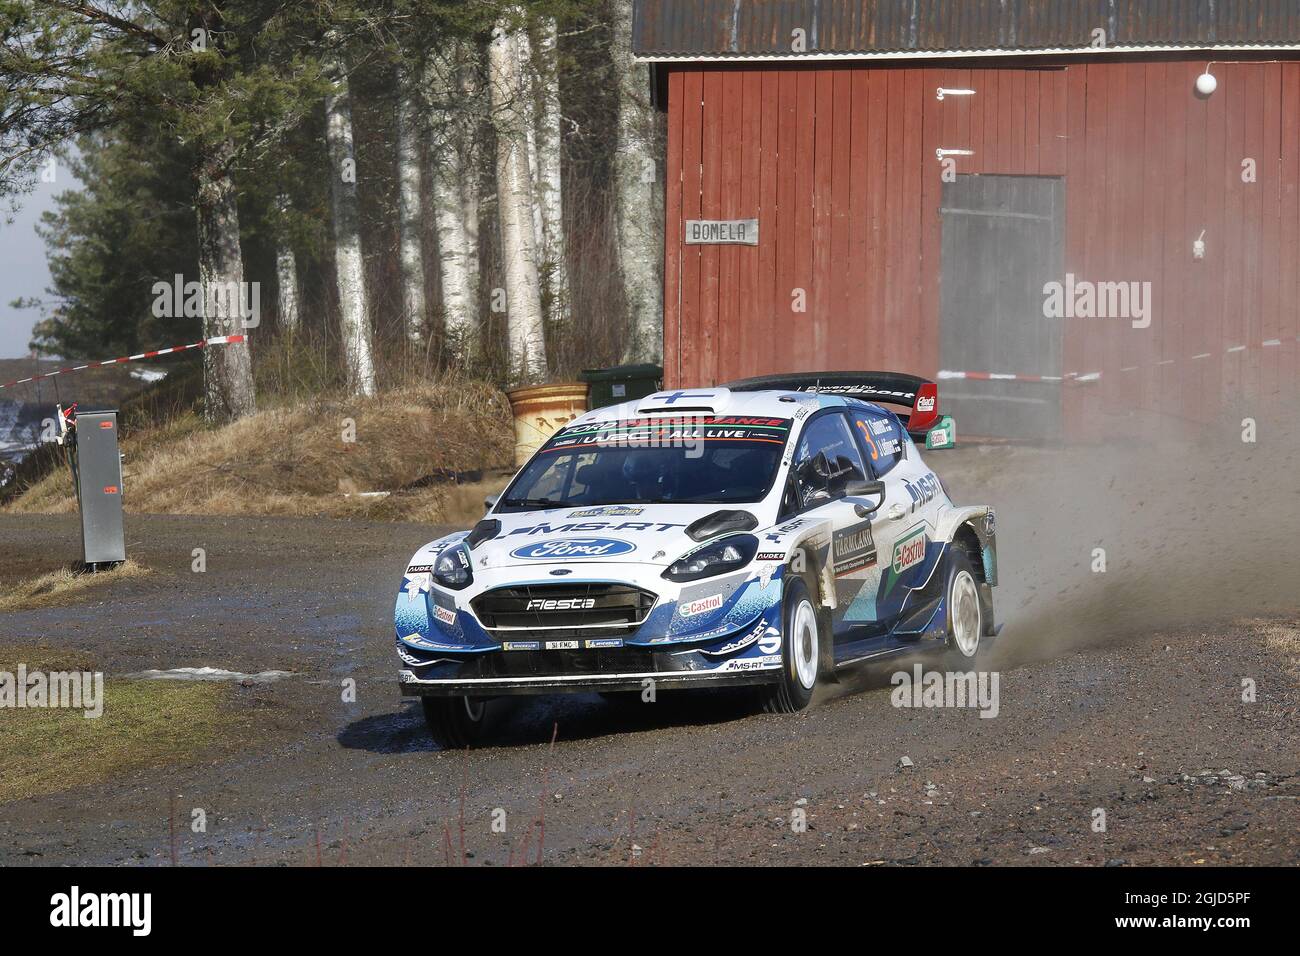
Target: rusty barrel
(540,410)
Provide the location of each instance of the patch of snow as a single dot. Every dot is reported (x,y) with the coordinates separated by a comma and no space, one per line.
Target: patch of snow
(210,673)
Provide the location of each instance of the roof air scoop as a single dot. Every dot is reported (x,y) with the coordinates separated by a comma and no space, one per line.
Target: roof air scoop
(686,401)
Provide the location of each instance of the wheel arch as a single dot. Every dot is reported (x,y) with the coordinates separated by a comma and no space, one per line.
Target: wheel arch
(974,531)
(818,576)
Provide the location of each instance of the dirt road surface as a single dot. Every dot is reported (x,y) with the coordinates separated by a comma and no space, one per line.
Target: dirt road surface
(1121,736)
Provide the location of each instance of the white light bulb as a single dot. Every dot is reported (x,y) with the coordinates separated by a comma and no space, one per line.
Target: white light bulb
(1206,84)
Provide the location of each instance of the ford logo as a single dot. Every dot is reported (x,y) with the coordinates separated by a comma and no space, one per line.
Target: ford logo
(565,548)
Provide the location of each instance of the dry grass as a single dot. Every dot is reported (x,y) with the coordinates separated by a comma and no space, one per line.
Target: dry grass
(1284,638)
(67,581)
(418,443)
(144,724)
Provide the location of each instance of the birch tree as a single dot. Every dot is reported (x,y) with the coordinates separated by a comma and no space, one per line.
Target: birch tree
(548,182)
(638,201)
(453,93)
(409,213)
(526,103)
(349,265)
(227,370)
(524,326)
(286,274)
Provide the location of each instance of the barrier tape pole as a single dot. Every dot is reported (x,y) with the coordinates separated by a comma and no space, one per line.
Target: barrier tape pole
(215,340)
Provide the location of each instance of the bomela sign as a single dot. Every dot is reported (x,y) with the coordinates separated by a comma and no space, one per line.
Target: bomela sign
(722,232)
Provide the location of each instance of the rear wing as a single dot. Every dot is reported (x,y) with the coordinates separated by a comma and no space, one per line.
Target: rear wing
(889,388)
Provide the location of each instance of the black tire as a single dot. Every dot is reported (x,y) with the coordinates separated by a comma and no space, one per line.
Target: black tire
(965,605)
(455,722)
(792,693)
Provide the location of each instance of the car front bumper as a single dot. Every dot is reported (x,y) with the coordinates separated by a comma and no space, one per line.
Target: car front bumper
(551,672)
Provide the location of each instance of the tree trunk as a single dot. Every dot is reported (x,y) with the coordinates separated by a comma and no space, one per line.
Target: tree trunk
(286,274)
(452,89)
(549,184)
(227,369)
(639,211)
(524,327)
(411,253)
(471,165)
(354,320)
(526,100)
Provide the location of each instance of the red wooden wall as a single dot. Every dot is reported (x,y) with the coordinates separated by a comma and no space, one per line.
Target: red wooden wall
(838,164)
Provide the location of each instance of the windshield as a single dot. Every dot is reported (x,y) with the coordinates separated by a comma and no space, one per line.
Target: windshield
(692,459)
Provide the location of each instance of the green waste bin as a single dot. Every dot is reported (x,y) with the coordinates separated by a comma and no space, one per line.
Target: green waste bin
(609,386)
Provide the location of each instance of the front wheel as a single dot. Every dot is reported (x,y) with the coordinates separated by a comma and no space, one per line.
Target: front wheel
(800,652)
(965,610)
(455,722)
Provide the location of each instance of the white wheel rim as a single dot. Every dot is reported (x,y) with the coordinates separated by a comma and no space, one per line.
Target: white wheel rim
(474,708)
(803,644)
(965,613)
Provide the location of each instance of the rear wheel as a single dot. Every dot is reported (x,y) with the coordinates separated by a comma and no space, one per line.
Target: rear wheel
(965,609)
(800,652)
(455,722)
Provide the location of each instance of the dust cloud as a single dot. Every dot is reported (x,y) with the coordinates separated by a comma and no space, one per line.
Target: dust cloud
(1192,534)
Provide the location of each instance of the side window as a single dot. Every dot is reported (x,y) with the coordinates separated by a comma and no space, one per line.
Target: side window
(883,438)
(826,460)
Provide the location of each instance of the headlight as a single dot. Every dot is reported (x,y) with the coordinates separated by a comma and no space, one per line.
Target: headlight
(452,570)
(728,554)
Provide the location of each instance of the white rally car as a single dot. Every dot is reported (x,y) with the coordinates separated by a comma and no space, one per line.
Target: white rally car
(767,532)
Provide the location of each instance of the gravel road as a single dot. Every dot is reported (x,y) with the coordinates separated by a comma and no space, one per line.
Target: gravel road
(1120,701)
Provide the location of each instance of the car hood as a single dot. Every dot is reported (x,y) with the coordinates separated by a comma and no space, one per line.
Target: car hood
(576,536)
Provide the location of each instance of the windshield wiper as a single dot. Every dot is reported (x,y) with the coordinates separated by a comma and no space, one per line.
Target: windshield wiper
(533,503)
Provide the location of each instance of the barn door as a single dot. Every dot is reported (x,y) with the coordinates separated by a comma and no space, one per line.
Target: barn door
(1003,239)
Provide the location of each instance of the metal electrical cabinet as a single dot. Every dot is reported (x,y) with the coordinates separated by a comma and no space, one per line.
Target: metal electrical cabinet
(97,466)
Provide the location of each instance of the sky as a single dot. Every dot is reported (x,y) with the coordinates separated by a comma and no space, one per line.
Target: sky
(23,273)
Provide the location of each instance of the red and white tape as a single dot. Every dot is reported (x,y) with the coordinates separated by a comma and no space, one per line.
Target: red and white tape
(215,340)
(1095,376)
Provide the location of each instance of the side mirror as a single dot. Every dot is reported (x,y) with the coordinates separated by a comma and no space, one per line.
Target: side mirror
(942,435)
(490,501)
(865,489)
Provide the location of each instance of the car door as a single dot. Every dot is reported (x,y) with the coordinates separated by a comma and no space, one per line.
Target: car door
(904,525)
(827,459)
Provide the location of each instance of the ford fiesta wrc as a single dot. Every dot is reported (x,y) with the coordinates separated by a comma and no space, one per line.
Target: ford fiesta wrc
(771,532)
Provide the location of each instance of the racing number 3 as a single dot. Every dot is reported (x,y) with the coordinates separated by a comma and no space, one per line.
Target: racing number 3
(866,433)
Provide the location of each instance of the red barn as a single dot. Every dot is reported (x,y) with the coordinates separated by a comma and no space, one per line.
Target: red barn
(1032,201)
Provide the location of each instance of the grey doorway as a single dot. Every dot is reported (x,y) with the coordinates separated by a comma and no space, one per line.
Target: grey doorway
(1003,239)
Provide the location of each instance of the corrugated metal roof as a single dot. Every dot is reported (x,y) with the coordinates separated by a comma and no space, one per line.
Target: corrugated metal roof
(723,28)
